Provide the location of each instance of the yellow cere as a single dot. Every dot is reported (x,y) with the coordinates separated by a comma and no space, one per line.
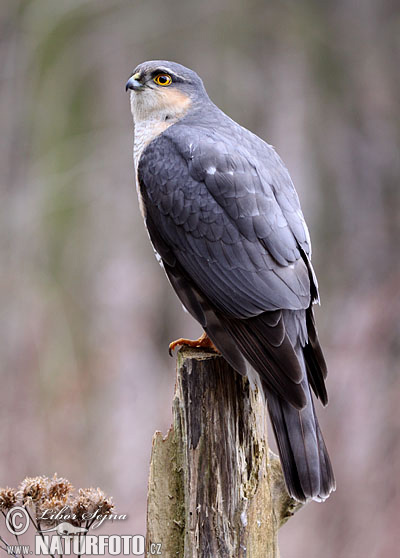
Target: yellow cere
(163,79)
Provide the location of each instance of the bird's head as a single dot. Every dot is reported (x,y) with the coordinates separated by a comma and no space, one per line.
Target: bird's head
(164,91)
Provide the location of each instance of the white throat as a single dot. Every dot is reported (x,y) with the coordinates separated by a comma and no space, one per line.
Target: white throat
(152,114)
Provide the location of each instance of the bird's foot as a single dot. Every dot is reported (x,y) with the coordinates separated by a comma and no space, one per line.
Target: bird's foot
(203,341)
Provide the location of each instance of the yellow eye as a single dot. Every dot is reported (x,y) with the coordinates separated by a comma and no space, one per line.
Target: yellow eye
(163,79)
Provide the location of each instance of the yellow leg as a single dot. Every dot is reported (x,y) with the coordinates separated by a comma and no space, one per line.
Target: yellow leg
(203,341)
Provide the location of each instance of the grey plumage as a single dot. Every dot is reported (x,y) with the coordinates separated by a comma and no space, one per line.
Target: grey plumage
(223,214)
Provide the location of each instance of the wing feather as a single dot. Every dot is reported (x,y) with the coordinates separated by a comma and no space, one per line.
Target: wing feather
(220,252)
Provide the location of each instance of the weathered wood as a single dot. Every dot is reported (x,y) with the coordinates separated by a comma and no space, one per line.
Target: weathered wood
(215,489)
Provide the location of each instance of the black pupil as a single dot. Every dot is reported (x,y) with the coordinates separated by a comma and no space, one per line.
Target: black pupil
(163,79)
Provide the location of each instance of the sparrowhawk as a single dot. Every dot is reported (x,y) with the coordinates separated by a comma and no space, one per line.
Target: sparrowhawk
(225,222)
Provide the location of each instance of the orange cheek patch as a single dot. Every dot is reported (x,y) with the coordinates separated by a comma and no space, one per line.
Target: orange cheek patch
(176,101)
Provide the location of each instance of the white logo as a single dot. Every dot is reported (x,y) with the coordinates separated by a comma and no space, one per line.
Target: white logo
(17,520)
(66,529)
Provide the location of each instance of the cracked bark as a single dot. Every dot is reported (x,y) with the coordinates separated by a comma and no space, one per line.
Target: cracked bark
(215,488)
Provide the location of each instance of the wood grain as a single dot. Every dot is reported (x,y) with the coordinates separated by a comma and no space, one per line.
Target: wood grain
(215,488)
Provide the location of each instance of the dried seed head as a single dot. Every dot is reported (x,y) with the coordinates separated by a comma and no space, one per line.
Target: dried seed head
(33,490)
(89,501)
(58,487)
(8,498)
(54,499)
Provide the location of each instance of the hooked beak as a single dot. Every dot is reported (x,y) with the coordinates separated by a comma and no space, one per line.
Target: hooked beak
(134,83)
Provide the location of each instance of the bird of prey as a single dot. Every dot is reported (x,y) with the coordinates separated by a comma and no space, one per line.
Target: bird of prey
(225,222)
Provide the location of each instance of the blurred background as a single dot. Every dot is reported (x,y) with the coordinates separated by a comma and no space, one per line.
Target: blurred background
(86,312)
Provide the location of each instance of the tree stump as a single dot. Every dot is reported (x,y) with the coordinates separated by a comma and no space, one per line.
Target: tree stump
(215,488)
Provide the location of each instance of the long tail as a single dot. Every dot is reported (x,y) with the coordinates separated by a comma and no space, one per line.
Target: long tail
(304,457)
(305,461)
